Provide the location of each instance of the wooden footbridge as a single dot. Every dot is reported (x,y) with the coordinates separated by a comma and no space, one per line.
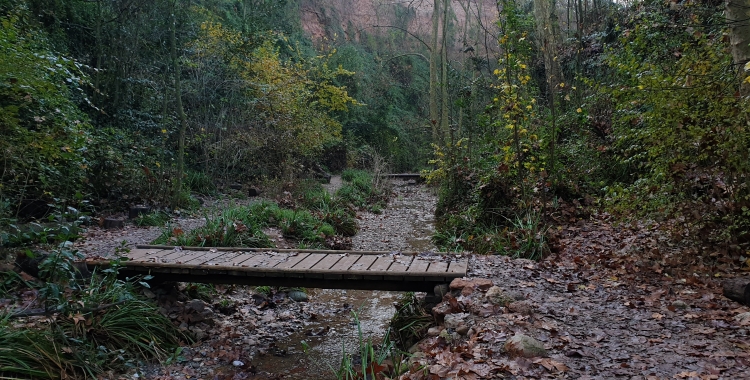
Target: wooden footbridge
(374,270)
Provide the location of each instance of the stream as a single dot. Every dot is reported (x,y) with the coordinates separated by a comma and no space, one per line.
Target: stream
(405,225)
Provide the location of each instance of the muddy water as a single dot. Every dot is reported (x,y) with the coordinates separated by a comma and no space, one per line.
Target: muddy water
(406,225)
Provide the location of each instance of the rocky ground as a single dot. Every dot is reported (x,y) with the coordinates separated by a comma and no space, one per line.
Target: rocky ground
(610,302)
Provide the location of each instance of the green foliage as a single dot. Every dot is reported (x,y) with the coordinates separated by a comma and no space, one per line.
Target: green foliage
(154,219)
(97,325)
(677,123)
(368,361)
(410,322)
(43,133)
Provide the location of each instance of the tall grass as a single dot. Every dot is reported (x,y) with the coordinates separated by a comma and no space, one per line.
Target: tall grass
(100,325)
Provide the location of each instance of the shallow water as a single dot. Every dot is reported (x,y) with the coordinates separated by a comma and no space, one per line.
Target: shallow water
(406,225)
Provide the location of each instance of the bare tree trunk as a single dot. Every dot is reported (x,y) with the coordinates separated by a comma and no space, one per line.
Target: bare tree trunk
(434,56)
(738,18)
(180,110)
(444,122)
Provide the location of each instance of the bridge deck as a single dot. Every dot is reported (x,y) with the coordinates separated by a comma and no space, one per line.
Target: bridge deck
(283,267)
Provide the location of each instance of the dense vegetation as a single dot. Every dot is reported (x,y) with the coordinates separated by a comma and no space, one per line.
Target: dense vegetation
(524,115)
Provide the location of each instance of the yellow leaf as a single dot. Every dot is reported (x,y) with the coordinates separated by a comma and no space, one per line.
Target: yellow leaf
(579,110)
(163,131)
(747,66)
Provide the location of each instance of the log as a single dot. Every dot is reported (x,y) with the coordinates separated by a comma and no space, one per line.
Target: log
(737,289)
(111,223)
(138,210)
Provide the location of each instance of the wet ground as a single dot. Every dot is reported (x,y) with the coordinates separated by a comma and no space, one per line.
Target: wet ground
(405,225)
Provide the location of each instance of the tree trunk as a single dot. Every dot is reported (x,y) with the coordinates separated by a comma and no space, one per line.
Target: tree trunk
(737,289)
(444,123)
(180,110)
(738,18)
(433,71)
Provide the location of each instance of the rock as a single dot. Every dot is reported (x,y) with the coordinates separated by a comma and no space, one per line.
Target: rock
(440,290)
(680,304)
(440,311)
(521,307)
(237,363)
(198,333)
(195,306)
(743,318)
(433,331)
(297,296)
(462,330)
(253,192)
(477,283)
(236,186)
(454,321)
(524,346)
(432,299)
(496,296)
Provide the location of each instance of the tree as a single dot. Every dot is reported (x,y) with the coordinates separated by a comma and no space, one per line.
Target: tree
(738,18)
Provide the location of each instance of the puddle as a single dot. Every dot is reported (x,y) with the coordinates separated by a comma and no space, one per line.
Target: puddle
(332,331)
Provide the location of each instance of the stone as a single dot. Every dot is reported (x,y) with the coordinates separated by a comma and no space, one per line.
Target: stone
(195,306)
(476,283)
(237,363)
(198,333)
(253,192)
(440,290)
(454,321)
(433,331)
(521,307)
(680,304)
(462,330)
(440,311)
(743,318)
(497,296)
(297,296)
(524,346)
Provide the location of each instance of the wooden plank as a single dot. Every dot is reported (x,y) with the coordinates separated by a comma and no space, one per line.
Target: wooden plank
(309,262)
(381,263)
(458,267)
(328,262)
(206,257)
(290,261)
(418,266)
(437,267)
(262,260)
(277,250)
(239,259)
(138,253)
(401,265)
(159,257)
(363,264)
(346,262)
(225,259)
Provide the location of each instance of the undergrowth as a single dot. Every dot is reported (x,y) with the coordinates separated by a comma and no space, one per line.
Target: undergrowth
(93,325)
